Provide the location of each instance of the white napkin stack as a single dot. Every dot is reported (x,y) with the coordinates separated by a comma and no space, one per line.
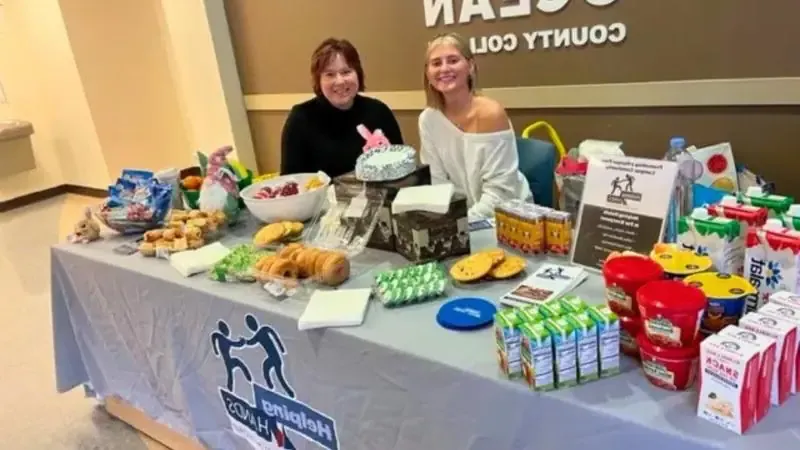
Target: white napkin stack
(192,262)
(339,308)
(433,198)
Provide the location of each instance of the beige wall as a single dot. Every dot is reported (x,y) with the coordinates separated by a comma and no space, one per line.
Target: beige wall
(42,85)
(124,65)
(118,84)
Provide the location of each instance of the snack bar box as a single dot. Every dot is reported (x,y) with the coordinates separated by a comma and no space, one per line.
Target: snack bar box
(785,335)
(422,236)
(792,315)
(767,363)
(729,387)
(384,236)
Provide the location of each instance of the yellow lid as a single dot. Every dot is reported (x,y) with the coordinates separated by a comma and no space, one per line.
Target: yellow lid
(677,261)
(721,285)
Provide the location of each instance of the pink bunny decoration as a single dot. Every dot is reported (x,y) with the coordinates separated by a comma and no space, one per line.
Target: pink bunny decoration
(374,140)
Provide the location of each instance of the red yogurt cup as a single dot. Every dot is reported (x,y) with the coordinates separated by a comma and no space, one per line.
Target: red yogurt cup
(670,368)
(671,312)
(624,275)
(630,327)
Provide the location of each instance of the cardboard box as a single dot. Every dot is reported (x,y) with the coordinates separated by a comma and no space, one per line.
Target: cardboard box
(785,298)
(785,335)
(790,314)
(729,371)
(423,236)
(767,345)
(384,236)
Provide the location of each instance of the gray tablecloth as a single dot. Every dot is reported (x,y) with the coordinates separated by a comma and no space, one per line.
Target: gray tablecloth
(133,327)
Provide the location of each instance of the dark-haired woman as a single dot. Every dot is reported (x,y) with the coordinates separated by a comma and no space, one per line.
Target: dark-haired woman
(322,133)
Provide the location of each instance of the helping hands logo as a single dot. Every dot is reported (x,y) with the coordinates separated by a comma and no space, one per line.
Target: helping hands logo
(263,420)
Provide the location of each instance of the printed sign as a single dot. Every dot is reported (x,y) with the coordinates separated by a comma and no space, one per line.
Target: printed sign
(443,12)
(271,409)
(624,203)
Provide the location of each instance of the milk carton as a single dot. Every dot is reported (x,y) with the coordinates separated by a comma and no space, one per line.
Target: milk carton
(564,349)
(791,219)
(729,371)
(608,339)
(717,237)
(790,315)
(767,363)
(785,335)
(772,262)
(747,215)
(775,204)
(587,346)
(537,357)
(508,338)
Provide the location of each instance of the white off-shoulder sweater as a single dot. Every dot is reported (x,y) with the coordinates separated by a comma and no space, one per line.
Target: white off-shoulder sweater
(482,166)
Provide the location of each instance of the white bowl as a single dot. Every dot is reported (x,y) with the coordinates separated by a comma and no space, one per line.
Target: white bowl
(297,208)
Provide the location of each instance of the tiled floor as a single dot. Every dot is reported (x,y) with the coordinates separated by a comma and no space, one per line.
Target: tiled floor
(32,415)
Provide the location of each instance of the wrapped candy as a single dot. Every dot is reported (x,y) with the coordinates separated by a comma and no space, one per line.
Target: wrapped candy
(136,202)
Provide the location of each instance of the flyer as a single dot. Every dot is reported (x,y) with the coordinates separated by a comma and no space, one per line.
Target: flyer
(624,205)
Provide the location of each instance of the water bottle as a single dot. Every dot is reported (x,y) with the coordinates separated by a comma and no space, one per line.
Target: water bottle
(681,201)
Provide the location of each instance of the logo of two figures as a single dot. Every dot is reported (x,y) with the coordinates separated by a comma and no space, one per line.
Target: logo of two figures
(617,184)
(264,336)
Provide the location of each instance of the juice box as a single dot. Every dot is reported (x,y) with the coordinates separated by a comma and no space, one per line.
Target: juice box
(717,237)
(530,314)
(608,339)
(792,315)
(785,335)
(508,337)
(552,309)
(767,346)
(572,304)
(558,232)
(587,346)
(521,226)
(537,357)
(774,204)
(564,349)
(772,261)
(729,371)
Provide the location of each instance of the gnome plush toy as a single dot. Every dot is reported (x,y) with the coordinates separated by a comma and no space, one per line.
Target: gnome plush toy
(219,191)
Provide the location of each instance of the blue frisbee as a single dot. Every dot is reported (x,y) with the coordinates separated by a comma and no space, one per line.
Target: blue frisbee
(466,313)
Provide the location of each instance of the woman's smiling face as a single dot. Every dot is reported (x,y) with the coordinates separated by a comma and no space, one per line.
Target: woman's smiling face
(447,69)
(339,82)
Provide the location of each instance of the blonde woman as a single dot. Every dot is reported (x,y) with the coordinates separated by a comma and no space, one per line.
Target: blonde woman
(467,139)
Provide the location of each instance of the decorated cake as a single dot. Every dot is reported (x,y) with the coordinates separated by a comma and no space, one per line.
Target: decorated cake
(386,163)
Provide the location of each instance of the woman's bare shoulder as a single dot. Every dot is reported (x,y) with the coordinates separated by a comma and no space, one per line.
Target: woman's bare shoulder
(491,114)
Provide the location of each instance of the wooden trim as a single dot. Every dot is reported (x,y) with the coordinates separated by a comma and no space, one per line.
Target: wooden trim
(136,418)
(46,194)
(730,92)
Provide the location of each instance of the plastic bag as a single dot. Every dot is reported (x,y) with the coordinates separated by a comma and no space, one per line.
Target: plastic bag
(570,179)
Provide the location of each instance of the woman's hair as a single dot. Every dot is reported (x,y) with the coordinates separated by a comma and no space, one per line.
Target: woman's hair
(326,52)
(434,98)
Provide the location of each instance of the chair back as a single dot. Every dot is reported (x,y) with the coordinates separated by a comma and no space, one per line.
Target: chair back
(537,162)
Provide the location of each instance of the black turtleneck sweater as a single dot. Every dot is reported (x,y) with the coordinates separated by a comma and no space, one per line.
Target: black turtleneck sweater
(319,136)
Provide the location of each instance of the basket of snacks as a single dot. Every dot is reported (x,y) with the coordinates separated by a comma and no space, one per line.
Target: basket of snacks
(136,203)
